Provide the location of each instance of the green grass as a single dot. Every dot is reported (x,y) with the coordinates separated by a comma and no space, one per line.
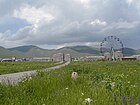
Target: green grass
(13,67)
(99,81)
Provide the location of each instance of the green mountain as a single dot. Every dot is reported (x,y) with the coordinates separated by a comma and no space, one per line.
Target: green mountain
(24,49)
(129,51)
(75,51)
(29,51)
(137,51)
(85,49)
(7,53)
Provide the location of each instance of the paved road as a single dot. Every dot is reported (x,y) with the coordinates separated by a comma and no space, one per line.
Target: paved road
(14,78)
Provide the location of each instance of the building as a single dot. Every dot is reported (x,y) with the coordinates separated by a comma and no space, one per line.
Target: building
(59,57)
(107,56)
(67,57)
(91,58)
(118,55)
(136,56)
(26,59)
(13,59)
(41,59)
(6,60)
(131,58)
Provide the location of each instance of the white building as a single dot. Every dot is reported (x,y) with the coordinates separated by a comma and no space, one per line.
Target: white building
(41,59)
(13,58)
(6,60)
(91,58)
(118,55)
(136,56)
(107,56)
(67,57)
(58,57)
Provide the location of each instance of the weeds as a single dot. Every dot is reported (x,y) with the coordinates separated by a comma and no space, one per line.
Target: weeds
(99,83)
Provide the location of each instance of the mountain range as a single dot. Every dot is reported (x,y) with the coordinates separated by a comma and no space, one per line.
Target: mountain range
(75,51)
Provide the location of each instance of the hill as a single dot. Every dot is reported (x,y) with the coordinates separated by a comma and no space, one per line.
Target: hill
(23,48)
(85,49)
(75,51)
(7,53)
(129,51)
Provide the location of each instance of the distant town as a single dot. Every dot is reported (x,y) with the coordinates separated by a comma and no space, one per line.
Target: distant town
(60,57)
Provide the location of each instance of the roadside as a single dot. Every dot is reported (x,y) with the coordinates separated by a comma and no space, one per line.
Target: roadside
(15,67)
(14,78)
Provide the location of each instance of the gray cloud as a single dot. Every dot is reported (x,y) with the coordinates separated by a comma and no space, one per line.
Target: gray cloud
(74,21)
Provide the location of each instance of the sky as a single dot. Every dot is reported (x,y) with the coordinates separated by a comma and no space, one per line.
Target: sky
(58,23)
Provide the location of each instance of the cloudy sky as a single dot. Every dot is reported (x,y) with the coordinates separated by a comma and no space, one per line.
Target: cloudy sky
(58,23)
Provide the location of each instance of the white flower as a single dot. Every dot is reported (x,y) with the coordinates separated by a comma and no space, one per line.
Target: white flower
(23,81)
(82,94)
(67,88)
(104,81)
(88,100)
(112,84)
(133,86)
(30,78)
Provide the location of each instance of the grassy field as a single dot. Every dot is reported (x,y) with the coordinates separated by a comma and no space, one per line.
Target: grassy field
(99,83)
(12,67)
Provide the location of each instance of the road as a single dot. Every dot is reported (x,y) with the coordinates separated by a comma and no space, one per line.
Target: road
(14,78)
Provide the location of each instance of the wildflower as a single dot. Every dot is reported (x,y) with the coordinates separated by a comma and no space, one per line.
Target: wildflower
(133,86)
(104,81)
(112,85)
(82,94)
(23,81)
(67,88)
(30,78)
(74,75)
(88,100)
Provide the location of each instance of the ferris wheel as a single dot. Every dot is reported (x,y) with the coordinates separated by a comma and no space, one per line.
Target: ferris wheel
(110,45)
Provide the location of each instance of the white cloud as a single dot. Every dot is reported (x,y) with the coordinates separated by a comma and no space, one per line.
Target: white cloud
(85,3)
(99,22)
(32,14)
(127,25)
(129,2)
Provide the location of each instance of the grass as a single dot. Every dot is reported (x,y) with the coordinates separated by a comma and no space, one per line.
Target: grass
(13,67)
(106,83)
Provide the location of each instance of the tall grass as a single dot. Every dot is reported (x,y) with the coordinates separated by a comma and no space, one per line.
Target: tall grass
(105,83)
(13,67)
